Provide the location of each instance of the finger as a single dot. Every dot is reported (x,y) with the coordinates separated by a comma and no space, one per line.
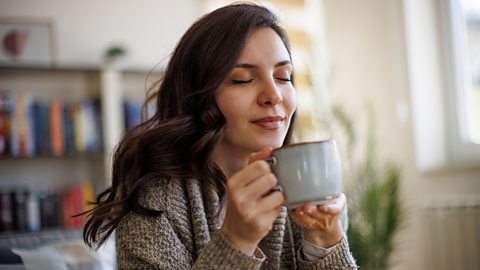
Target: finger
(270,216)
(308,208)
(295,218)
(334,207)
(321,216)
(302,219)
(262,185)
(265,153)
(309,222)
(249,174)
(269,202)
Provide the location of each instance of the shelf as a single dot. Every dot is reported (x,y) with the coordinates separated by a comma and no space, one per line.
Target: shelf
(80,68)
(18,239)
(97,156)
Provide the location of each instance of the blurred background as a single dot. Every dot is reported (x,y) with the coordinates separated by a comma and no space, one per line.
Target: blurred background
(396,82)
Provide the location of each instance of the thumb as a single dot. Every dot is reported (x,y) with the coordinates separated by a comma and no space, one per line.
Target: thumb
(265,153)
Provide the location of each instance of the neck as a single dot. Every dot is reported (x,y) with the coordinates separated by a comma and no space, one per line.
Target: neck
(229,160)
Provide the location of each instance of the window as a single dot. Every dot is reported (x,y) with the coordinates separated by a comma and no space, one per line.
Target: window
(443,55)
(461,27)
(469,35)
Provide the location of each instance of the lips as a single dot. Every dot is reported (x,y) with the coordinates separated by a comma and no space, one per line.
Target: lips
(271,122)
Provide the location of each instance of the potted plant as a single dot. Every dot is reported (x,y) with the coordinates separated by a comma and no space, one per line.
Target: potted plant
(376,210)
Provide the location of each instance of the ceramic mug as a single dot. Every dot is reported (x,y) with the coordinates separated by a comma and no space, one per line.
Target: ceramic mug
(308,172)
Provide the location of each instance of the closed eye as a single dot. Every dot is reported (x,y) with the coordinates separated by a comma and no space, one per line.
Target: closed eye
(284,79)
(242,81)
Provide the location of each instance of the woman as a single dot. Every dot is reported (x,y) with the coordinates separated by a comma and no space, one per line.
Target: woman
(191,188)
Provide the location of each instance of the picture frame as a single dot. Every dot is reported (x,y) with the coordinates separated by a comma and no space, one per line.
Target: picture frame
(27,43)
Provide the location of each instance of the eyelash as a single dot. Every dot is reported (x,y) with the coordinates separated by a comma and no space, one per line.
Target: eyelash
(248,81)
(241,81)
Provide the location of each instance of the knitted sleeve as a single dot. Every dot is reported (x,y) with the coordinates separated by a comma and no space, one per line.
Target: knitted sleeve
(220,254)
(151,243)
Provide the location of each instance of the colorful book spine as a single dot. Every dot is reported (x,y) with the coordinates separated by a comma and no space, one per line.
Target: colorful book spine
(42,129)
(22,126)
(56,128)
(5,118)
(133,113)
(49,209)
(33,211)
(69,129)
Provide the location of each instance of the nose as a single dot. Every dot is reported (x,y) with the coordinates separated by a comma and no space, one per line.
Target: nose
(270,95)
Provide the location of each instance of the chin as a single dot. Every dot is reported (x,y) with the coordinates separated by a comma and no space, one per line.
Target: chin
(273,143)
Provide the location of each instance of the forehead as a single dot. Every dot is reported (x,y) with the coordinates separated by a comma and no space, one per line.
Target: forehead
(264,45)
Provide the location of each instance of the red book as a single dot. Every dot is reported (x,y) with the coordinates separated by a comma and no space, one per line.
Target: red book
(68,208)
(74,202)
(56,128)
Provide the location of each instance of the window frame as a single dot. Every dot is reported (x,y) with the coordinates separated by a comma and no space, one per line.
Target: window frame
(435,80)
(456,83)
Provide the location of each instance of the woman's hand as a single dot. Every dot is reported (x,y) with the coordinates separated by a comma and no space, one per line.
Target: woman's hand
(252,207)
(321,223)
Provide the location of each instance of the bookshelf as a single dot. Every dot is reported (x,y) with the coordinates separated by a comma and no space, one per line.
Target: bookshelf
(70,173)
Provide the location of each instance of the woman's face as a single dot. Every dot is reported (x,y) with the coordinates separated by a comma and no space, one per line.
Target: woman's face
(257,98)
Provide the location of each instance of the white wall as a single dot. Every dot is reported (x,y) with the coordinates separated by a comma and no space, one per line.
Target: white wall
(149,29)
(366,44)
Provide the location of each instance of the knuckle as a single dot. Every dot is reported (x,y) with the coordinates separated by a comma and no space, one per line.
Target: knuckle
(236,200)
(244,206)
(261,165)
(272,180)
(265,166)
(280,198)
(250,218)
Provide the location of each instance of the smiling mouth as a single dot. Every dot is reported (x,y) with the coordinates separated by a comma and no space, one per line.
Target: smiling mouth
(269,122)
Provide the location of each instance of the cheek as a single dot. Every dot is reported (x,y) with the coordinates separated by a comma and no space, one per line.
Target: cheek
(228,105)
(290,100)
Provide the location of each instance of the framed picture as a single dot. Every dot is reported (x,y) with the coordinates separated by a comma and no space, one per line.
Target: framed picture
(27,42)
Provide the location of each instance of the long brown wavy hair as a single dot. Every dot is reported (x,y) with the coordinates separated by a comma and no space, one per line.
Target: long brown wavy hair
(177,141)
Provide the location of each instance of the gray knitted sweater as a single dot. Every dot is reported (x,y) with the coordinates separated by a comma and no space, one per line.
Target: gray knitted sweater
(186,236)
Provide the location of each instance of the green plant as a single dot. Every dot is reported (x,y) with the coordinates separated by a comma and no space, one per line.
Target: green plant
(375,207)
(114,52)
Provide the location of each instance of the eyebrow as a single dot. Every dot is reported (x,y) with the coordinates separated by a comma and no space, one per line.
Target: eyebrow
(245,65)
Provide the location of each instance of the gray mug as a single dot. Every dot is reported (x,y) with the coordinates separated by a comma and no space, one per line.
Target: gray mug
(308,172)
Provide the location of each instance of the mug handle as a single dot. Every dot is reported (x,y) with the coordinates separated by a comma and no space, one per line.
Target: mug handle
(272,161)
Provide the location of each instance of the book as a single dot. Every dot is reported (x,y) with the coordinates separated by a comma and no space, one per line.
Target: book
(91,133)
(69,129)
(2,124)
(50,212)
(6,123)
(56,128)
(132,113)
(19,209)
(74,201)
(42,129)
(22,137)
(33,211)
(6,215)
